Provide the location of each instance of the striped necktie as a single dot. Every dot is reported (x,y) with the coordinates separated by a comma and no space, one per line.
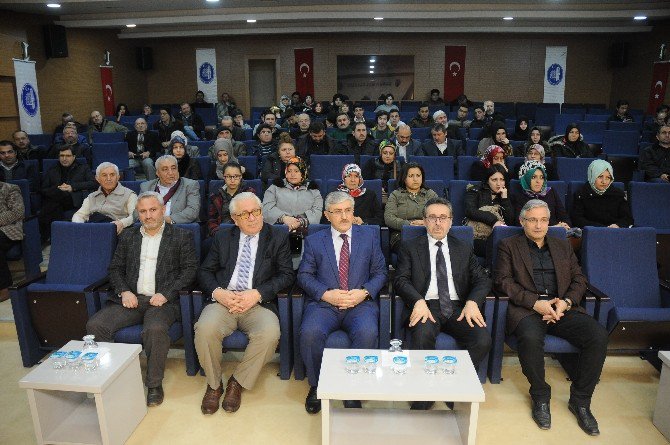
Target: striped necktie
(344,263)
(244,265)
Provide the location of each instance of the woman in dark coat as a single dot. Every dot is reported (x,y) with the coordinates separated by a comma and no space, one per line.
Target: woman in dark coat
(573,144)
(218,211)
(532,176)
(367,209)
(494,155)
(599,204)
(188,167)
(385,167)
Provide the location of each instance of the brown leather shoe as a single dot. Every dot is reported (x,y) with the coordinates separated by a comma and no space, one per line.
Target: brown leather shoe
(210,401)
(233,397)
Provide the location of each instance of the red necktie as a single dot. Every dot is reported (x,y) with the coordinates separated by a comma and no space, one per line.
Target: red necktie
(344,263)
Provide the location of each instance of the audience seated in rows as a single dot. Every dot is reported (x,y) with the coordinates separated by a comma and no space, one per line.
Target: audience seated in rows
(534,137)
(493,155)
(440,145)
(495,134)
(192,124)
(621,114)
(70,140)
(24,149)
(536,152)
(423,118)
(406,145)
(67,118)
(360,142)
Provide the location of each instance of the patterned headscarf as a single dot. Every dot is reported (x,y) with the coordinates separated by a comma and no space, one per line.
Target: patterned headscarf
(540,150)
(490,153)
(526,173)
(346,171)
(596,168)
(298,162)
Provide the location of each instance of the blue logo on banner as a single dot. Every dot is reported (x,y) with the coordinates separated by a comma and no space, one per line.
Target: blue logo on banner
(29,99)
(555,74)
(206,72)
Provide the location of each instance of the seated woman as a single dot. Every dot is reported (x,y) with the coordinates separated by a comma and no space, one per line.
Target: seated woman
(275,164)
(405,205)
(218,211)
(599,204)
(385,167)
(223,153)
(534,137)
(536,153)
(489,205)
(572,145)
(496,134)
(367,209)
(494,155)
(294,201)
(521,131)
(532,176)
(188,167)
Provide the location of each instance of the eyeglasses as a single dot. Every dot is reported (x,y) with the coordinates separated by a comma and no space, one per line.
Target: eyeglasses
(232,176)
(341,212)
(433,219)
(537,220)
(245,215)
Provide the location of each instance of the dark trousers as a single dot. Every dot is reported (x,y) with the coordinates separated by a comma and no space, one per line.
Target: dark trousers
(52,210)
(5,275)
(320,319)
(156,322)
(583,332)
(475,339)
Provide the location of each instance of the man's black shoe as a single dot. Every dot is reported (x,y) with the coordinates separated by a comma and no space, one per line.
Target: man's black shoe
(155,396)
(421,406)
(312,404)
(585,419)
(541,414)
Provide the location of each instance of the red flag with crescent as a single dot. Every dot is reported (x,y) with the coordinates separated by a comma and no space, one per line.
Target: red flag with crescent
(659,80)
(107,89)
(454,72)
(304,71)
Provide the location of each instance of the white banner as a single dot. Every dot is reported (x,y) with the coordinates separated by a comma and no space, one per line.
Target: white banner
(205,71)
(28,96)
(554,74)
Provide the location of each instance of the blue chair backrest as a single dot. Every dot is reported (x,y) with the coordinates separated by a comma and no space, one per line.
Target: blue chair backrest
(24,185)
(593,131)
(420,133)
(208,115)
(205,163)
(562,120)
(526,109)
(132,185)
(597,117)
(622,264)
(248,134)
(41,139)
(649,205)
(624,126)
(573,109)
(436,167)
(544,116)
(250,164)
(256,184)
(108,138)
(475,133)
(80,252)
(114,152)
(513,163)
(464,166)
(457,198)
(572,169)
(364,160)
(502,232)
(463,233)
(374,185)
(561,188)
(48,164)
(194,228)
(506,108)
(471,147)
(621,142)
(203,146)
(436,185)
(328,166)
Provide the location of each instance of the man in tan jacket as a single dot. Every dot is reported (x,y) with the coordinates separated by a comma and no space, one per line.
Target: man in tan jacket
(11,230)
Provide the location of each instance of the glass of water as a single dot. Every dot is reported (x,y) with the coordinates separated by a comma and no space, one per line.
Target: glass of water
(352,364)
(370,363)
(430,363)
(449,364)
(399,364)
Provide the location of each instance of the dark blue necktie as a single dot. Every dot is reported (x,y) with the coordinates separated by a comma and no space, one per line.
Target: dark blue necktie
(446,308)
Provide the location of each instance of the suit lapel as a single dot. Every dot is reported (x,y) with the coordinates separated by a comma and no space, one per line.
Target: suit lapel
(559,270)
(164,246)
(263,242)
(233,247)
(524,251)
(423,253)
(355,249)
(329,248)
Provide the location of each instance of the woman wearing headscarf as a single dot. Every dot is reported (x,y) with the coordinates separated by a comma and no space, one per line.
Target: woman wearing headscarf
(534,137)
(218,211)
(367,209)
(537,153)
(494,155)
(573,145)
(385,167)
(489,205)
(294,200)
(188,167)
(495,134)
(532,177)
(223,154)
(599,204)
(521,130)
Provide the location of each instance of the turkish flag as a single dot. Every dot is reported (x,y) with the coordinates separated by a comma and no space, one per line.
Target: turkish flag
(304,71)
(659,81)
(454,72)
(107,89)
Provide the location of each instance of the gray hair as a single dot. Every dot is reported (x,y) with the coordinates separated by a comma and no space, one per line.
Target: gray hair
(533,204)
(104,165)
(440,201)
(149,195)
(140,119)
(165,158)
(404,126)
(226,118)
(303,114)
(242,197)
(336,198)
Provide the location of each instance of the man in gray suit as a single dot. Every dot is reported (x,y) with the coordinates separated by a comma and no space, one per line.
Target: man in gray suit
(180,195)
(150,265)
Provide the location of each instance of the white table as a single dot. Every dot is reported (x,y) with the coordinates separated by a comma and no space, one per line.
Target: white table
(662,408)
(64,413)
(399,426)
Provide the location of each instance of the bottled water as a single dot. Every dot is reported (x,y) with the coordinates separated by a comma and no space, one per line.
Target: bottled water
(449,364)
(352,364)
(370,364)
(430,363)
(90,361)
(399,364)
(89,342)
(72,358)
(395,345)
(58,360)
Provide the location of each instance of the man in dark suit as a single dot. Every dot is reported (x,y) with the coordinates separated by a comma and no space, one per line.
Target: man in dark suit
(440,145)
(246,267)
(317,143)
(12,167)
(443,287)
(407,146)
(64,187)
(342,272)
(544,283)
(150,265)
(143,146)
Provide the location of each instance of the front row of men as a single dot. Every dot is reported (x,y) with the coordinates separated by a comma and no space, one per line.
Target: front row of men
(342,273)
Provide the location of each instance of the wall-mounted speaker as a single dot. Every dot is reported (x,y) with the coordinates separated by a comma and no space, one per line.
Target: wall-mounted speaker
(145,58)
(55,41)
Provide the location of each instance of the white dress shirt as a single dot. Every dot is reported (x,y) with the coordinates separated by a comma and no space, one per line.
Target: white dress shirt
(443,146)
(254,250)
(338,242)
(432,294)
(163,190)
(146,280)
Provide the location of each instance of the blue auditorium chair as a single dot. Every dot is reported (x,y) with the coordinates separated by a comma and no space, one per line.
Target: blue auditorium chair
(617,143)
(436,167)
(326,167)
(116,153)
(593,131)
(108,138)
(205,163)
(563,120)
(526,109)
(338,339)
(132,185)
(573,169)
(624,126)
(421,133)
(30,248)
(561,188)
(203,146)
(475,133)
(444,341)
(649,205)
(471,147)
(53,308)
(544,116)
(457,198)
(250,164)
(575,186)
(43,140)
(597,117)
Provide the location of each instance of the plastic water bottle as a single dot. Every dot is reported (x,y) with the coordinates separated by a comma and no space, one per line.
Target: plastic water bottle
(370,363)
(395,345)
(449,364)
(58,360)
(399,364)
(72,358)
(352,364)
(430,363)
(90,361)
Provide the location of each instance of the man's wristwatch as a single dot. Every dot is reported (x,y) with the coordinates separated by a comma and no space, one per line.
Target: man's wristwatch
(367,295)
(569,303)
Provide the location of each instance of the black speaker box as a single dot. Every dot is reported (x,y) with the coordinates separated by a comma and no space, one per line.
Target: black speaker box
(55,41)
(618,55)
(145,58)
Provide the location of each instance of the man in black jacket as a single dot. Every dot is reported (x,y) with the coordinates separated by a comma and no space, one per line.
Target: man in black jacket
(143,146)
(440,145)
(655,160)
(360,142)
(317,143)
(64,187)
(12,168)
(193,123)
